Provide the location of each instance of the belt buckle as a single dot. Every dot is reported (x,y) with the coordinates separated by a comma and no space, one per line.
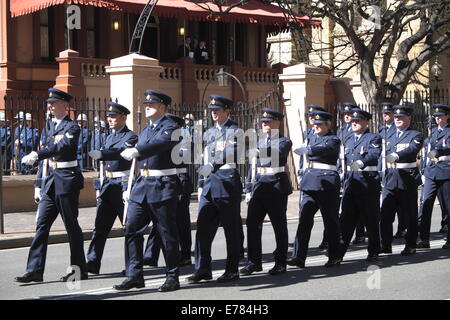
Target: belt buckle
(54,165)
(310,165)
(109,174)
(263,170)
(146,173)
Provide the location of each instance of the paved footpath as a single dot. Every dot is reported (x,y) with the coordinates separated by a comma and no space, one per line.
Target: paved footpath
(20,227)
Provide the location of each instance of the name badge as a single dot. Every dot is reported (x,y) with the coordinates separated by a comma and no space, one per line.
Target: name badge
(402,146)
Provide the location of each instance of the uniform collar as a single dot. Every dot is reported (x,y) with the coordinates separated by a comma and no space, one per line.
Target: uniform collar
(156,122)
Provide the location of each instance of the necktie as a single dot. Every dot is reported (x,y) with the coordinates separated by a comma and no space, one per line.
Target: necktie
(268,141)
(399,134)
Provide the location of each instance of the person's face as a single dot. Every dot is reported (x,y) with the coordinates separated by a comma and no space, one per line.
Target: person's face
(267,126)
(219,115)
(57,108)
(321,128)
(388,117)
(402,122)
(347,117)
(188,40)
(116,121)
(311,120)
(29,123)
(154,110)
(188,122)
(359,126)
(202,44)
(442,120)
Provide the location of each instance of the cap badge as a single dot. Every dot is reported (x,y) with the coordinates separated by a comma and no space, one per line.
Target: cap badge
(317,116)
(213,101)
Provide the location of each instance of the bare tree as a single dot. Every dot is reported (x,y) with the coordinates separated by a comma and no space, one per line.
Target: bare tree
(390,20)
(387,60)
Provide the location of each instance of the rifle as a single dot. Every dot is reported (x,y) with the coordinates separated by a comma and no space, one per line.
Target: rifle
(384,146)
(305,142)
(342,145)
(101,163)
(132,169)
(45,161)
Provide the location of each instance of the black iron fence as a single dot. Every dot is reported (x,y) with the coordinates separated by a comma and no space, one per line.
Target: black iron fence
(22,122)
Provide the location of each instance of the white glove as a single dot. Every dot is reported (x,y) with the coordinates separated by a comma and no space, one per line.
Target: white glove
(37,195)
(432,154)
(423,179)
(302,150)
(391,158)
(95,154)
(129,154)
(199,193)
(205,170)
(125,196)
(30,159)
(248,197)
(97,194)
(356,165)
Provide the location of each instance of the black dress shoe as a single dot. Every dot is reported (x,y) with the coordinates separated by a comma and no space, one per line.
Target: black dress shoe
(323,245)
(249,269)
(277,269)
(408,251)
(333,263)
(185,262)
(130,283)
(92,269)
(372,258)
(296,262)
(228,277)
(386,250)
(169,285)
(359,240)
(30,277)
(199,275)
(424,244)
(72,276)
(151,263)
(400,234)
(446,245)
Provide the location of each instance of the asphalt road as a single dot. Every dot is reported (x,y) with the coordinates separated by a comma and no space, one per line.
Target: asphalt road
(425,275)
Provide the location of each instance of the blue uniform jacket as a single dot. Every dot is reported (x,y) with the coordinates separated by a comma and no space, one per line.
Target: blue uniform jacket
(114,145)
(29,139)
(368,150)
(441,143)
(224,183)
(62,147)
(98,139)
(324,149)
(5,136)
(155,149)
(265,185)
(407,147)
(83,141)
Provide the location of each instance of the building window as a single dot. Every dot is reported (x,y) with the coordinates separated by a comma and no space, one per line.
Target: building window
(44,26)
(91,33)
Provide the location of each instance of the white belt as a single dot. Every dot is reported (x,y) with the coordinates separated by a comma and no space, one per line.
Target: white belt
(269,171)
(62,164)
(228,166)
(444,158)
(117,174)
(158,173)
(369,168)
(181,170)
(320,165)
(409,165)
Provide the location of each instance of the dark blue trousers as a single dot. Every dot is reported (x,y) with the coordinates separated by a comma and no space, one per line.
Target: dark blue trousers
(213,211)
(405,201)
(275,206)
(431,189)
(109,207)
(363,208)
(49,207)
(163,215)
(153,246)
(311,202)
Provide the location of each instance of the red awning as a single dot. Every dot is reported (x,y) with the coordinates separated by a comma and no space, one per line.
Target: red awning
(252,12)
